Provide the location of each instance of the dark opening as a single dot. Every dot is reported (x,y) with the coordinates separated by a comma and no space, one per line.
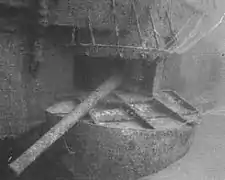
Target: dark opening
(90,72)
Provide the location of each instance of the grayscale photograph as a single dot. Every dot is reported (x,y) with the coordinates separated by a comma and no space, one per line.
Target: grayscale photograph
(112,89)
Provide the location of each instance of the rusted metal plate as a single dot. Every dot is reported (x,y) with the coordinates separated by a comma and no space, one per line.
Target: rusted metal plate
(179,105)
(174,101)
(109,115)
(134,114)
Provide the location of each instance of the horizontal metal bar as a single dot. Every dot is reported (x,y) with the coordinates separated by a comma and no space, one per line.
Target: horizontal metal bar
(147,50)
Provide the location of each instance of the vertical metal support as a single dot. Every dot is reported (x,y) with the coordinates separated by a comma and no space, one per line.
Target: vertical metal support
(151,21)
(115,20)
(137,22)
(158,75)
(172,36)
(74,30)
(90,28)
(169,22)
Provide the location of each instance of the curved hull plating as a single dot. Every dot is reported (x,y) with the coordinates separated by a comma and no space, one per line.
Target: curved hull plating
(103,153)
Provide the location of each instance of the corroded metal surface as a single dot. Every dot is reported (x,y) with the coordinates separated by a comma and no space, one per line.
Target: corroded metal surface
(16,94)
(103,153)
(179,105)
(13,107)
(113,27)
(125,151)
(111,115)
(171,98)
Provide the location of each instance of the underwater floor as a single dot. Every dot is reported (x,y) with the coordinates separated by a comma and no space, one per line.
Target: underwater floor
(206,158)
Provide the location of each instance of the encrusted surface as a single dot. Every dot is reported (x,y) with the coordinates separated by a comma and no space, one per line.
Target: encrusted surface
(174,101)
(103,153)
(179,105)
(122,152)
(13,107)
(109,115)
(130,28)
